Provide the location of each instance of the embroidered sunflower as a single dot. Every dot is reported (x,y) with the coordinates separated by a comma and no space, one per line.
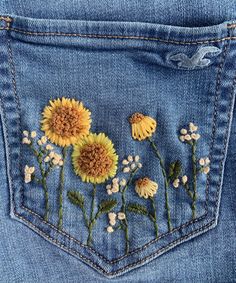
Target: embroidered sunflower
(94,158)
(65,121)
(142,126)
(145,187)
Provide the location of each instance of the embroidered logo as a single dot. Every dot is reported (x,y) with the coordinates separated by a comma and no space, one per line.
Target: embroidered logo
(197,60)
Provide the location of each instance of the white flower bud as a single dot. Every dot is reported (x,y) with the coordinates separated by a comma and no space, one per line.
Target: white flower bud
(202,161)
(136,158)
(33,134)
(187,137)
(110,229)
(130,158)
(112,215)
(125,162)
(123,182)
(121,215)
(184,179)
(126,170)
(112,222)
(183,131)
(26,133)
(206,170)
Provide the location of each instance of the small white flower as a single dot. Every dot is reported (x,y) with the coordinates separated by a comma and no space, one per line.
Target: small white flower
(39,142)
(33,134)
(44,139)
(108,187)
(49,147)
(130,158)
(109,192)
(125,162)
(121,215)
(126,170)
(115,180)
(112,222)
(202,161)
(112,215)
(195,136)
(182,138)
(47,159)
(140,165)
(27,178)
(176,183)
(207,161)
(26,141)
(55,161)
(115,189)
(184,179)
(187,137)
(183,131)
(110,229)
(206,170)
(29,170)
(26,133)
(123,182)
(51,154)
(57,156)
(192,127)
(133,166)
(136,158)
(60,163)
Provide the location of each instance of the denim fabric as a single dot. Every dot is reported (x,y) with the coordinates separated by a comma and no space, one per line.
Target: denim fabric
(174,74)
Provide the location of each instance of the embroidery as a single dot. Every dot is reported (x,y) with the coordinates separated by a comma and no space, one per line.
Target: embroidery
(47,160)
(94,160)
(66,123)
(131,166)
(197,60)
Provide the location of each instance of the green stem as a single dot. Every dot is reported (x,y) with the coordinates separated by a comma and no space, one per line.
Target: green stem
(92,219)
(123,209)
(61,188)
(166,183)
(188,191)
(44,183)
(194,162)
(154,216)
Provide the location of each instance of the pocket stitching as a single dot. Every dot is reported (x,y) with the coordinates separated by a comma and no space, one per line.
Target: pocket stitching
(11,66)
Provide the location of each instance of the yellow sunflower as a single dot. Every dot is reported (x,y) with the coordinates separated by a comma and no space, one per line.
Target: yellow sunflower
(142,126)
(145,187)
(65,121)
(94,158)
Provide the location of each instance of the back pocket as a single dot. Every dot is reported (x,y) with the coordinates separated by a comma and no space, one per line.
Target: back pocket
(115,133)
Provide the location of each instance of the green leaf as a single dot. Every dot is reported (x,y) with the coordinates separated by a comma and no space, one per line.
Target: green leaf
(107,205)
(76,198)
(137,208)
(175,170)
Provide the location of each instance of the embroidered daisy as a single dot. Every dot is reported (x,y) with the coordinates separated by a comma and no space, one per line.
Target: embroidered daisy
(145,187)
(94,158)
(65,121)
(142,126)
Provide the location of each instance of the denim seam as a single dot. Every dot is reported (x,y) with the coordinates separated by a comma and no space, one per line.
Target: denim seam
(117,37)
(124,256)
(59,244)
(215,114)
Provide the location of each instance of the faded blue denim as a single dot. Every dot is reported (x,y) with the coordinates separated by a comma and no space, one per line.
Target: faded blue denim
(118,61)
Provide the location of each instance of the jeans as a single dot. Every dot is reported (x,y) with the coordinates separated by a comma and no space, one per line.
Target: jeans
(117,142)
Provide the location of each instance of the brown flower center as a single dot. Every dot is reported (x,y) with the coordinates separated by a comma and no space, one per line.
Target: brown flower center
(94,160)
(136,118)
(65,121)
(142,182)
